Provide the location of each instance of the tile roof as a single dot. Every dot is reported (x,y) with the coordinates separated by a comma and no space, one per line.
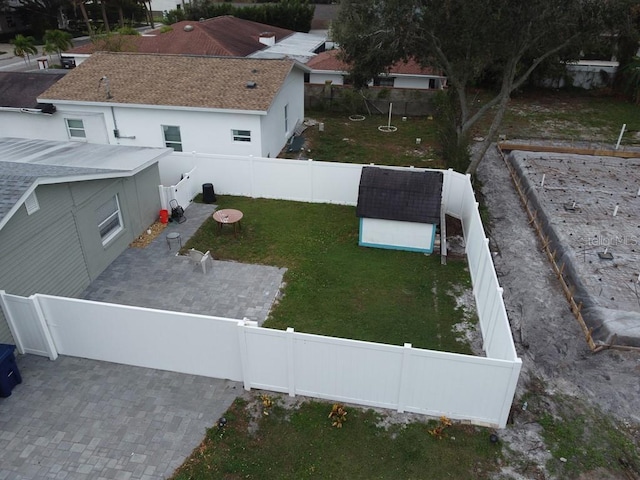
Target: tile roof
(402,195)
(174,80)
(329,61)
(222,36)
(25,162)
(21,89)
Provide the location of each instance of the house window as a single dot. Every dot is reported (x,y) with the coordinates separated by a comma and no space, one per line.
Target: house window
(241,135)
(172,138)
(286,118)
(75,129)
(31,203)
(109,219)
(383,82)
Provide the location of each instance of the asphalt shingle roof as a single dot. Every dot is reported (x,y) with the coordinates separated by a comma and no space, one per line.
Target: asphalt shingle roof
(400,195)
(329,61)
(174,80)
(224,35)
(21,89)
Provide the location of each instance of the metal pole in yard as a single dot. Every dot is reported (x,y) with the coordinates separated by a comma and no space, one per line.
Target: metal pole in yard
(620,137)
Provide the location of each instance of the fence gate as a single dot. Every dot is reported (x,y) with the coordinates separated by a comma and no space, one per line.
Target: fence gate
(27,325)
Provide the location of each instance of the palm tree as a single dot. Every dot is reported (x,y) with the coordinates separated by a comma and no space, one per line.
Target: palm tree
(24,46)
(59,40)
(49,49)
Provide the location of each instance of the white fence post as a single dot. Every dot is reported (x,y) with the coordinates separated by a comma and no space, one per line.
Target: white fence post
(291,368)
(509,393)
(244,354)
(404,377)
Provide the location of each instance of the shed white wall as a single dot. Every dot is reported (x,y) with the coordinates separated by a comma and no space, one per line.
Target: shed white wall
(391,234)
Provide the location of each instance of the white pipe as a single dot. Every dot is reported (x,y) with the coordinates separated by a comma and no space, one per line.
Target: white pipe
(620,137)
(615,211)
(390,108)
(542,182)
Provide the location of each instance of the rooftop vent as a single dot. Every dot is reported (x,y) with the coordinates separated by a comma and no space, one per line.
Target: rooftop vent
(267,38)
(188,28)
(251,84)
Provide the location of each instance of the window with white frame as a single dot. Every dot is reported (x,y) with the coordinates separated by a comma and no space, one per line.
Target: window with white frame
(109,219)
(75,129)
(172,138)
(241,135)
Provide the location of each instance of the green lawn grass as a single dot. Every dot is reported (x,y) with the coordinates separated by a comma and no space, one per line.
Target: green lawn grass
(344,140)
(573,115)
(301,444)
(333,286)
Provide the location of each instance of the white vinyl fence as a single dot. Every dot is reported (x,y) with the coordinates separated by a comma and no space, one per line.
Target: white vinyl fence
(183,191)
(476,389)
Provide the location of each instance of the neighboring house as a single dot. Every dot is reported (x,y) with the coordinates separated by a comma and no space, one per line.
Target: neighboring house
(327,67)
(221,105)
(219,36)
(20,113)
(399,209)
(67,210)
(585,74)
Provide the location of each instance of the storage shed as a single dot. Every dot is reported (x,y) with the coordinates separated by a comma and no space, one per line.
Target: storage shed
(399,209)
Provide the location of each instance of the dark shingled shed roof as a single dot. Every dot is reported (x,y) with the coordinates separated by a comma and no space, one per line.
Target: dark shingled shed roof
(400,195)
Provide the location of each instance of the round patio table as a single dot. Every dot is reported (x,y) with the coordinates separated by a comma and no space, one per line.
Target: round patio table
(228,216)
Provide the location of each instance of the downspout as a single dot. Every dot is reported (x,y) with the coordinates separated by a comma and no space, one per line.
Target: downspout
(116,131)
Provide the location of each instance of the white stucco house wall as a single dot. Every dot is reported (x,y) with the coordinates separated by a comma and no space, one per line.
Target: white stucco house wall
(327,67)
(221,105)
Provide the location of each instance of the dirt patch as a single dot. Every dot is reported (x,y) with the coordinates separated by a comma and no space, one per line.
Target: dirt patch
(148,235)
(547,336)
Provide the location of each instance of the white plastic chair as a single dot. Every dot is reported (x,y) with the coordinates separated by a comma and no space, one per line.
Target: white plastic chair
(201,258)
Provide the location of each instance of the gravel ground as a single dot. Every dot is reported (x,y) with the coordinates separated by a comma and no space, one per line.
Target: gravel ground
(555,355)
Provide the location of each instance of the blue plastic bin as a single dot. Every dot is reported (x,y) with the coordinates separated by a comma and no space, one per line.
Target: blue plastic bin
(9,373)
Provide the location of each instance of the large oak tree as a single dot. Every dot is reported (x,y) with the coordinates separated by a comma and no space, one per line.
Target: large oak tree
(466,39)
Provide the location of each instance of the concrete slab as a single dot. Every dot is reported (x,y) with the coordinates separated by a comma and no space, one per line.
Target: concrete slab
(155,277)
(590,209)
(83,419)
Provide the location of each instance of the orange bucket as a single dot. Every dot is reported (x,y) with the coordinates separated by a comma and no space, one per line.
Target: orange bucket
(164,216)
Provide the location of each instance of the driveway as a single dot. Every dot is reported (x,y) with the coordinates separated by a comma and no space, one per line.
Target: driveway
(75,418)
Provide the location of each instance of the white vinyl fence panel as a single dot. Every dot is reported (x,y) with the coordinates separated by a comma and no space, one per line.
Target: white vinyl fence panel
(402,378)
(464,387)
(144,337)
(27,325)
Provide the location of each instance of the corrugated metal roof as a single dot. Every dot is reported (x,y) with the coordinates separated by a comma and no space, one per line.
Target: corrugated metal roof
(299,46)
(25,162)
(402,195)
